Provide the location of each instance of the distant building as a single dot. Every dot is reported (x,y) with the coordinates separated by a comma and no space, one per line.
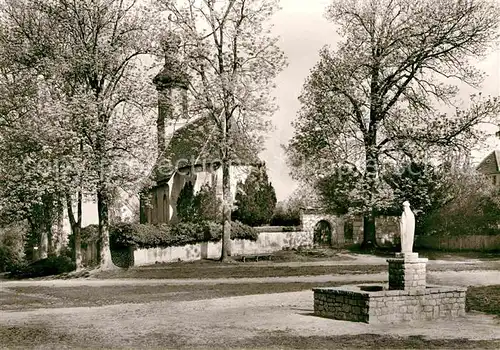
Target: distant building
(490,167)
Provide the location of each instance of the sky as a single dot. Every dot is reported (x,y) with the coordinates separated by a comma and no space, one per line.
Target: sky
(303,31)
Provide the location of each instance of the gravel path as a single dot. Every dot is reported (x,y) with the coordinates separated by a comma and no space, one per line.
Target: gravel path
(229,320)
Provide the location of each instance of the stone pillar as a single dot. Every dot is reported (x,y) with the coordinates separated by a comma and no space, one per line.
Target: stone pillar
(407,272)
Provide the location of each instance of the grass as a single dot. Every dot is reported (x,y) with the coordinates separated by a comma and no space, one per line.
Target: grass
(244,270)
(305,255)
(458,255)
(279,340)
(484,299)
(21,336)
(214,269)
(431,254)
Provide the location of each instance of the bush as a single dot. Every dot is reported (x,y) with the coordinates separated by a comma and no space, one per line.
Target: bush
(286,216)
(202,206)
(208,206)
(11,246)
(182,233)
(255,199)
(53,265)
(89,234)
(186,206)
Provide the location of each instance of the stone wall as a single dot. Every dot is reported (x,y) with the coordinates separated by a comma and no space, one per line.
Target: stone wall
(267,242)
(387,227)
(351,303)
(151,256)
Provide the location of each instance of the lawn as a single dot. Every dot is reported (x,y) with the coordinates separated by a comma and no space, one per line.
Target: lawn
(213,269)
(433,254)
(485,299)
(209,270)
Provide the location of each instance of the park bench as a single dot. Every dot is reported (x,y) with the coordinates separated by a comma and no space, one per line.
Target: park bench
(255,257)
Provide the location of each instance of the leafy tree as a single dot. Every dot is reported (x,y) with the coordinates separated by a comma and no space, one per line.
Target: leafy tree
(285,215)
(31,144)
(208,205)
(11,245)
(425,186)
(232,60)
(201,206)
(186,206)
(373,99)
(428,188)
(255,199)
(87,56)
(336,190)
(473,208)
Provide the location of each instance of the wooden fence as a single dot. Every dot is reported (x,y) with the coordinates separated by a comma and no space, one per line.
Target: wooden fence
(483,243)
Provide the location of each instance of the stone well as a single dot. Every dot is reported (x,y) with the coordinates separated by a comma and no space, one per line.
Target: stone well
(405,298)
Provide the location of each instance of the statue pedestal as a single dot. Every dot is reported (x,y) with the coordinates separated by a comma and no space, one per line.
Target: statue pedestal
(407,272)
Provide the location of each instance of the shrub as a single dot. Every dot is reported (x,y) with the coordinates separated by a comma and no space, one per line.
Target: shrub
(11,246)
(53,265)
(286,215)
(242,231)
(186,206)
(255,199)
(202,206)
(207,206)
(182,233)
(89,234)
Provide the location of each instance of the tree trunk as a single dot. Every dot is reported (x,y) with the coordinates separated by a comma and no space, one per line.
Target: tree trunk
(76,229)
(226,211)
(105,261)
(47,220)
(369,232)
(227,200)
(58,243)
(371,170)
(43,244)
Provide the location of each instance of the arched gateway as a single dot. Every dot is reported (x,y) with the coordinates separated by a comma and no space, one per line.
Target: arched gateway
(325,229)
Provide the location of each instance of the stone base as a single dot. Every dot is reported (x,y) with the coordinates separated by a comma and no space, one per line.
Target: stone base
(407,256)
(407,271)
(358,303)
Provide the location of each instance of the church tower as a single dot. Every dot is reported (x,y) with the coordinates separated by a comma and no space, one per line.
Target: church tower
(172,87)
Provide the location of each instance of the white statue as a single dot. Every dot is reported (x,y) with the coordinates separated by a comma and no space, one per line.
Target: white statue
(407,226)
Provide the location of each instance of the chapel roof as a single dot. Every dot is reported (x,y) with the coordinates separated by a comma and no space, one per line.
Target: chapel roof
(491,164)
(195,144)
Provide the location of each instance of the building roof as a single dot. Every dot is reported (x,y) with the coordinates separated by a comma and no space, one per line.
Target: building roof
(195,144)
(491,164)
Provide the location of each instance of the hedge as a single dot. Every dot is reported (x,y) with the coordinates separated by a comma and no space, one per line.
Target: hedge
(148,236)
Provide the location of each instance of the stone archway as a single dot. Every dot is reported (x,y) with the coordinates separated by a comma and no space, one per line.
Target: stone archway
(322,235)
(310,217)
